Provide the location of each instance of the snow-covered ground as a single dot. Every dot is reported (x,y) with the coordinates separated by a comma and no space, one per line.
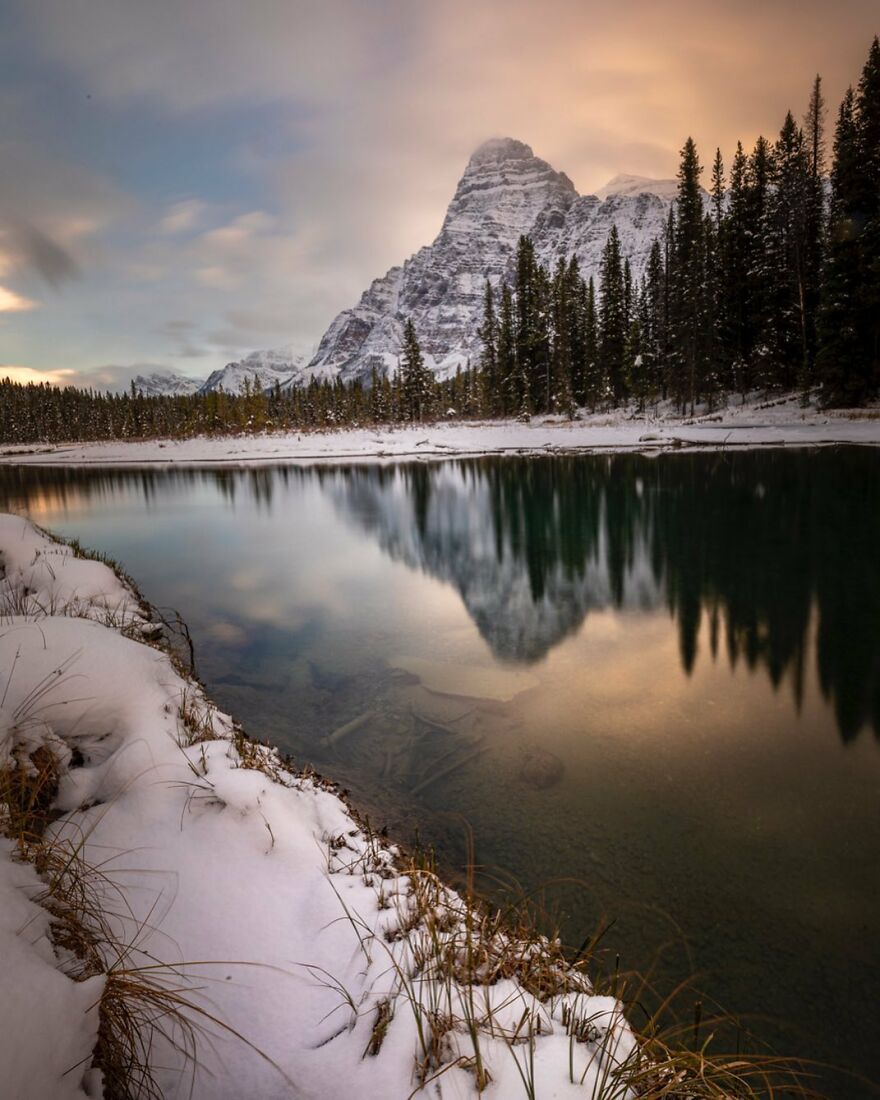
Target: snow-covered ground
(778,423)
(291,927)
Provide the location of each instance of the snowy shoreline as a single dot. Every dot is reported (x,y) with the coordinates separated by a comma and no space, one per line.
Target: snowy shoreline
(316,959)
(779,423)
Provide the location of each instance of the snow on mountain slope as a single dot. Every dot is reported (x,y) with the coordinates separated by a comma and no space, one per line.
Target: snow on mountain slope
(162,384)
(506,191)
(638,185)
(265,368)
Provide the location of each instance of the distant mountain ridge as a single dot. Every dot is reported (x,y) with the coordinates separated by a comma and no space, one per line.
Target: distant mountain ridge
(266,369)
(166,384)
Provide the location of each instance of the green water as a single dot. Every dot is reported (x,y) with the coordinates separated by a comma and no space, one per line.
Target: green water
(655,678)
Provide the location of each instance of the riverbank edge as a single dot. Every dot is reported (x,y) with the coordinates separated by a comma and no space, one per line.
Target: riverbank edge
(783,422)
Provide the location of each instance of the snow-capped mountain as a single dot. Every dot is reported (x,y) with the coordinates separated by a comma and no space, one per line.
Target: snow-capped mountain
(506,191)
(265,368)
(166,384)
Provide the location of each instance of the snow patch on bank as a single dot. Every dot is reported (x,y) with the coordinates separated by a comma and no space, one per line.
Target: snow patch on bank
(779,423)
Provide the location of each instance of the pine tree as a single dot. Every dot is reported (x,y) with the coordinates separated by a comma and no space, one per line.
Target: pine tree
(736,333)
(563,307)
(612,320)
(689,286)
(718,191)
(814,136)
(787,247)
(489,370)
(415,379)
(717,256)
(714,377)
(759,263)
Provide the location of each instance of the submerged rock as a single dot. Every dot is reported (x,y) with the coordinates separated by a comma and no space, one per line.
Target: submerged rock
(541,769)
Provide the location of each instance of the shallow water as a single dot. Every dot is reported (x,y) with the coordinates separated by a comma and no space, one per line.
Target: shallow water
(656,678)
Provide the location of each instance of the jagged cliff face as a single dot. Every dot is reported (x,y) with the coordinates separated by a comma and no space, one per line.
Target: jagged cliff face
(505,192)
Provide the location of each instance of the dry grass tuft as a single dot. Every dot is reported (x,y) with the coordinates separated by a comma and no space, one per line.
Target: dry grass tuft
(447,951)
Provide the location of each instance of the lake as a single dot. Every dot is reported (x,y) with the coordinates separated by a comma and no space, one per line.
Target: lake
(645,688)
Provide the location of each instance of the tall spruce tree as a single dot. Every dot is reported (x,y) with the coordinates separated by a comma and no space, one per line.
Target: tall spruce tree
(689,314)
(563,307)
(415,378)
(612,321)
(814,137)
(788,210)
(718,190)
(736,338)
(759,264)
(527,308)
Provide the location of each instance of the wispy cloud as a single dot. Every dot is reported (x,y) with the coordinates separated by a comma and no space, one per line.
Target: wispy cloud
(182,216)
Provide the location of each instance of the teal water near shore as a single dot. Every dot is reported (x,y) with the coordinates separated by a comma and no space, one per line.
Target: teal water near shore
(657,679)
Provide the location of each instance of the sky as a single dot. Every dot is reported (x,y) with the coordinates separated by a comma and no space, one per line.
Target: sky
(185,181)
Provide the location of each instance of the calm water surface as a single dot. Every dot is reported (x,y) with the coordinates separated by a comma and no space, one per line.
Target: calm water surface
(656,678)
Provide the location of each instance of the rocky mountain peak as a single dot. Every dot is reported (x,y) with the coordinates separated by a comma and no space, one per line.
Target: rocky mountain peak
(505,192)
(499,151)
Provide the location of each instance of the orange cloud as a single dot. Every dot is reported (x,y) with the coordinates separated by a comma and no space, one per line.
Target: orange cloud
(10,302)
(62,377)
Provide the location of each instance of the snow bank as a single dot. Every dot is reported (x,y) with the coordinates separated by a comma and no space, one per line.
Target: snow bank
(783,422)
(312,965)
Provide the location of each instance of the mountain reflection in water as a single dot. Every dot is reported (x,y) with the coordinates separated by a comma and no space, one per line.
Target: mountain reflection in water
(754,547)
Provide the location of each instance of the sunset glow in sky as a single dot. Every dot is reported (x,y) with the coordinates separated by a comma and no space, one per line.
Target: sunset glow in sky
(187,180)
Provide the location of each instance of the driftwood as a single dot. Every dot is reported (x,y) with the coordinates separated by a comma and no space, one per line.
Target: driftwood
(438,726)
(444,772)
(350,727)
